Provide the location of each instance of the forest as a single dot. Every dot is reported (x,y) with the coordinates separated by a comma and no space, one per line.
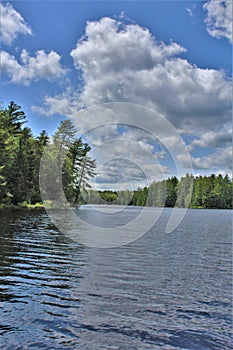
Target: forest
(20,159)
(194,192)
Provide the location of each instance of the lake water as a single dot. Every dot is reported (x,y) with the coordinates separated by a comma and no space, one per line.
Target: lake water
(163,291)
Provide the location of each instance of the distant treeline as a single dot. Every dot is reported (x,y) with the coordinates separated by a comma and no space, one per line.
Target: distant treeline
(20,159)
(194,192)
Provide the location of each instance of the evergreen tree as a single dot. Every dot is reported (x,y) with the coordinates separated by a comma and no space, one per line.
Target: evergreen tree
(57,164)
(184,193)
(84,167)
(171,193)
(13,118)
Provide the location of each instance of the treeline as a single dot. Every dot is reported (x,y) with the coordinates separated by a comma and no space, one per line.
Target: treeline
(68,162)
(194,192)
(20,158)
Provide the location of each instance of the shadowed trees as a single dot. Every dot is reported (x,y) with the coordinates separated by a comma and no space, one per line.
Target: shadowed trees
(21,153)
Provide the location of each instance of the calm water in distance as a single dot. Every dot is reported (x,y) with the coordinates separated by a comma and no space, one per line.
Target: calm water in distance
(163,291)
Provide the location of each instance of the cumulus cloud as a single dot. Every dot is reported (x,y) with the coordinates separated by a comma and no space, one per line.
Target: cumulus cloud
(125,63)
(102,133)
(121,173)
(65,103)
(12,24)
(133,47)
(121,150)
(41,66)
(214,139)
(126,157)
(127,148)
(219,18)
(220,159)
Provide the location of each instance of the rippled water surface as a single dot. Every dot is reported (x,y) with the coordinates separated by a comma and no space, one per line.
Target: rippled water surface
(163,291)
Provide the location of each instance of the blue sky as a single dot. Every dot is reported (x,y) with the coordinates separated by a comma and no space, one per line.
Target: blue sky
(59,57)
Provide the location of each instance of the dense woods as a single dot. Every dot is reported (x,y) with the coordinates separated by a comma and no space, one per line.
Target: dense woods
(195,192)
(20,158)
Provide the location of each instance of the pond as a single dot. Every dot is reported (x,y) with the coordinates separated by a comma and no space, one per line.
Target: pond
(162,291)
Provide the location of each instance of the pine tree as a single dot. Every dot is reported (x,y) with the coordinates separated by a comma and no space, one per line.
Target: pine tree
(84,167)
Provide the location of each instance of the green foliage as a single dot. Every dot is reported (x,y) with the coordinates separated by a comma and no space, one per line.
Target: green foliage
(140,197)
(108,196)
(199,192)
(184,191)
(83,169)
(212,192)
(20,158)
(171,192)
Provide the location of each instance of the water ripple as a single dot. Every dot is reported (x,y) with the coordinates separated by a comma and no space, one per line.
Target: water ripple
(160,292)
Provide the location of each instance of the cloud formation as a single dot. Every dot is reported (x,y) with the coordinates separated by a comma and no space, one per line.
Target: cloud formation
(214,139)
(12,24)
(121,172)
(125,63)
(41,66)
(219,18)
(220,160)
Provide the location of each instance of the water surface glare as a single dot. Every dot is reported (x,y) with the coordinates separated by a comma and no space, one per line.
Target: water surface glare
(163,291)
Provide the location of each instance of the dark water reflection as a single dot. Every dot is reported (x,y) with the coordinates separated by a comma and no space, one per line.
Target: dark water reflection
(161,292)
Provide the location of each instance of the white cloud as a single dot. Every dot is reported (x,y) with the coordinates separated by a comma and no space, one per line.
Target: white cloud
(121,173)
(121,151)
(65,103)
(220,159)
(125,63)
(101,134)
(130,48)
(191,10)
(41,66)
(126,156)
(12,24)
(219,18)
(120,170)
(214,139)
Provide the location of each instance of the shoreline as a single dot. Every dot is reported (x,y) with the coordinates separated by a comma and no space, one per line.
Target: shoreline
(42,206)
(21,206)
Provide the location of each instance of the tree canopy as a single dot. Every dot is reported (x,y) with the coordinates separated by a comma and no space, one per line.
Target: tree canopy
(21,153)
(193,192)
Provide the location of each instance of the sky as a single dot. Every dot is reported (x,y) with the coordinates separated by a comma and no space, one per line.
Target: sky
(166,65)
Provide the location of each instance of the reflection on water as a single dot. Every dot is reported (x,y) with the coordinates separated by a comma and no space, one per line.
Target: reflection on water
(161,292)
